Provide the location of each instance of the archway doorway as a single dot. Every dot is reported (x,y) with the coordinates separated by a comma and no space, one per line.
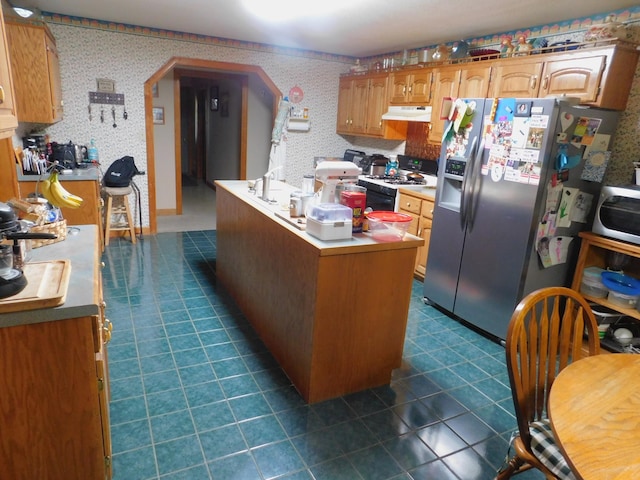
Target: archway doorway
(179,67)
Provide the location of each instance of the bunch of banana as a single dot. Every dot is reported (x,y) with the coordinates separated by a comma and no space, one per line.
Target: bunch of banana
(55,193)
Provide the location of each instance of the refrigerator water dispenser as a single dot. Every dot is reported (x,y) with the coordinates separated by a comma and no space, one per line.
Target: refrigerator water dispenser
(451,194)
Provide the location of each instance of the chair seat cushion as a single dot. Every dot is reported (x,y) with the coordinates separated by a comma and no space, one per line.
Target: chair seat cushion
(545,448)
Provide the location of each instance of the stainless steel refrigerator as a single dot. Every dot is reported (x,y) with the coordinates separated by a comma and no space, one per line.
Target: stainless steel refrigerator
(501,167)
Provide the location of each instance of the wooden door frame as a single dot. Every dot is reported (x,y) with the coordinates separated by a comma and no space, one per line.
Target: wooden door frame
(181,64)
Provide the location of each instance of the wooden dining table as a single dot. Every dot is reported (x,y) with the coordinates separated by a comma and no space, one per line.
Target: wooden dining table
(594,408)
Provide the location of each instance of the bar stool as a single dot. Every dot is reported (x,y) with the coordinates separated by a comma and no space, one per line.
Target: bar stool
(117,204)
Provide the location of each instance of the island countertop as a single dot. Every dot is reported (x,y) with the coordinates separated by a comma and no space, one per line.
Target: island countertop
(80,247)
(278,212)
(332,313)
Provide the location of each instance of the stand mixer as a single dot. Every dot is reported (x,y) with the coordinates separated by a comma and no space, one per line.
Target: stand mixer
(333,172)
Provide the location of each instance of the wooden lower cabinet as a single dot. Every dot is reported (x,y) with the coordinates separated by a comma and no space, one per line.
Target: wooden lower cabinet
(54,380)
(88,214)
(53,404)
(420,207)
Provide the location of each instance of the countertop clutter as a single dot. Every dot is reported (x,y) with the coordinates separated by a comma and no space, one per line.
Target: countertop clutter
(82,292)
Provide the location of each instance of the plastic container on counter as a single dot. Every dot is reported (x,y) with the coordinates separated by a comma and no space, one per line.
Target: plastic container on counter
(388,226)
(330,221)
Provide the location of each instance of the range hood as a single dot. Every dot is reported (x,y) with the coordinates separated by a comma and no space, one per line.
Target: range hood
(408,113)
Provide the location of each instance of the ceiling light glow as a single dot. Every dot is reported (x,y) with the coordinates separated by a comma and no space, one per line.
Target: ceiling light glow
(23,12)
(287,10)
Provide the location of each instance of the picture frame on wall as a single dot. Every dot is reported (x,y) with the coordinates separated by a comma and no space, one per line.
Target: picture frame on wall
(158,115)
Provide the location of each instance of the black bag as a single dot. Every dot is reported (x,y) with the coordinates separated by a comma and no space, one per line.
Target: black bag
(120,173)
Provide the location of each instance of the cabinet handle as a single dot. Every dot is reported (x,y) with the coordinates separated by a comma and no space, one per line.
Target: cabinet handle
(1,95)
(404,90)
(107,328)
(534,82)
(410,89)
(545,83)
(380,124)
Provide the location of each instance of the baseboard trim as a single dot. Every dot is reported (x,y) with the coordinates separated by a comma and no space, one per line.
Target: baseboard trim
(166,211)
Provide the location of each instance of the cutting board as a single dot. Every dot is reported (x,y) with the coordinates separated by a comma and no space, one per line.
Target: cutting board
(47,284)
(299,222)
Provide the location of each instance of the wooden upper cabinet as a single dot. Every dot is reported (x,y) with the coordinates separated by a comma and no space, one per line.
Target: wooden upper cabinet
(8,118)
(360,96)
(344,105)
(377,104)
(599,77)
(411,87)
(517,78)
(362,100)
(36,71)
(474,81)
(446,82)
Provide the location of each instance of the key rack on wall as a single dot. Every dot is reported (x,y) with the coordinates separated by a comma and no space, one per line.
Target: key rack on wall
(106,98)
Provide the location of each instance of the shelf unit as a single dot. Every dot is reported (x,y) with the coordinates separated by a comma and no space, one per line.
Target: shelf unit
(593,252)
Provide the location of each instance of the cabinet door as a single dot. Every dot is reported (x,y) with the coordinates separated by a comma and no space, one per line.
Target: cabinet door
(8,119)
(426,216)
(54,79)
(399,84)
(52,425)
(344,105)
(420,88)
(474,82)
(423,251)
(445,84)
(359,98)
(30,70)
(578,77)
(517,79)
(376,104)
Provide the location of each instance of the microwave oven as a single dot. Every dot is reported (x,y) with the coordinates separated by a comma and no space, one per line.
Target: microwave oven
(618,213)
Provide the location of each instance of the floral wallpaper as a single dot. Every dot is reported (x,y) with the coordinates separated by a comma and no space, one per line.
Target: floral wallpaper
(129,55)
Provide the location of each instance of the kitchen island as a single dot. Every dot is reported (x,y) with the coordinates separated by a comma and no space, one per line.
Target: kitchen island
(333,313)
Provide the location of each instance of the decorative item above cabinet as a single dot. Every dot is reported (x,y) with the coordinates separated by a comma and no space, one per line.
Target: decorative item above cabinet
(36,71)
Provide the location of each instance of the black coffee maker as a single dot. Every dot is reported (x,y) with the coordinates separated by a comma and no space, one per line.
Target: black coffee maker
(68,155)
(12,280)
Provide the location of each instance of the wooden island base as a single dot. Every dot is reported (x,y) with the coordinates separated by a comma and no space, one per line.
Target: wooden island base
(333,314)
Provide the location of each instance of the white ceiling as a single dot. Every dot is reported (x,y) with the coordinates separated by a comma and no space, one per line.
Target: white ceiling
(360,29)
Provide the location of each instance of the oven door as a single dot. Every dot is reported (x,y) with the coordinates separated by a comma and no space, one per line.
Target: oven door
(379,200)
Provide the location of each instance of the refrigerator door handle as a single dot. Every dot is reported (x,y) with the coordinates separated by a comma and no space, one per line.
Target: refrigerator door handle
(464,190)
(474,188)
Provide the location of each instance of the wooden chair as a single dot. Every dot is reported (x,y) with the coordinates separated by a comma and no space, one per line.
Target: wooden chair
(544,336)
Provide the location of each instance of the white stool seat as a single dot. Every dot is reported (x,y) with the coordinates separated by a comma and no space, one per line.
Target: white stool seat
(117,205)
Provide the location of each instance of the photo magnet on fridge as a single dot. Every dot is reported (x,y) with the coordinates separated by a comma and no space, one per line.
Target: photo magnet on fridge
(523,109)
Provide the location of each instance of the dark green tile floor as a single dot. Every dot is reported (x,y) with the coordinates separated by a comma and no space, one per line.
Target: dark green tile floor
(196,395)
